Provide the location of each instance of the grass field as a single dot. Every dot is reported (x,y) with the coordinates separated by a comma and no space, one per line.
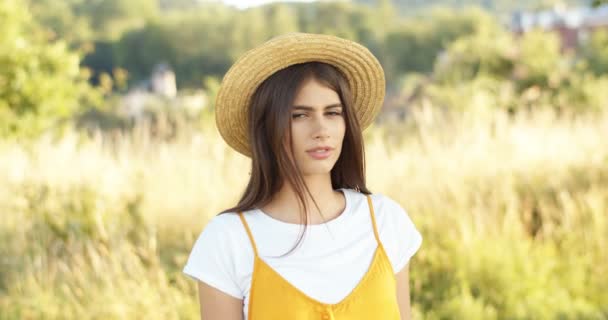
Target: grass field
(513,211)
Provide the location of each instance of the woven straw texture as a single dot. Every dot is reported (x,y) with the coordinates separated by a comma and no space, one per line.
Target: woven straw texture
(362,70)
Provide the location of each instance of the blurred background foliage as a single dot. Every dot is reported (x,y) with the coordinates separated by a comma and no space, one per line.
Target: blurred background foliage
(105,184)
(440,48)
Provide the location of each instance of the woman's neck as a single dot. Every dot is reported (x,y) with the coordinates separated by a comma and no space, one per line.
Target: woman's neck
(284,204)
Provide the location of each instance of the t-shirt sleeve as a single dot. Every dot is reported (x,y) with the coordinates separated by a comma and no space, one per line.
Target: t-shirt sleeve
(402,238)
(211,261)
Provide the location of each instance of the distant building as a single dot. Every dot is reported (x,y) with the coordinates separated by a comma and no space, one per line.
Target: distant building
(160,91)
(162,81)
(572,24)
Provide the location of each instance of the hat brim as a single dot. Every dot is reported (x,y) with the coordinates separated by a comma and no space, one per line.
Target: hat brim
(361,68)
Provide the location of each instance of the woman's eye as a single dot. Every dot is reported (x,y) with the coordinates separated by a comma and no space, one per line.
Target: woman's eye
(301,115)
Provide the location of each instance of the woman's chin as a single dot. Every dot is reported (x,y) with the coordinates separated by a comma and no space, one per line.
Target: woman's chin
(317,170)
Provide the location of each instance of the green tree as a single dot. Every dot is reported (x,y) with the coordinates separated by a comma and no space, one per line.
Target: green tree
(595,51)
(78,21)
(193,43)
(41,81)
(487,53)
(63,19)
(490,70)
(415,43)
(111,18)
(598,3)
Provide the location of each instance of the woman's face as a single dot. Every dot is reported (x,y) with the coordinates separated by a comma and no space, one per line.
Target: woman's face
(316,121)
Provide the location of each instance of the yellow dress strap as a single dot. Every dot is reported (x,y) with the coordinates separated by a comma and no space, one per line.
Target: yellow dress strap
(371,212)
(255,249)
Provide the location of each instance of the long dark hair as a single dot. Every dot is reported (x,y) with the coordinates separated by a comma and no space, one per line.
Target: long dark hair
(270,128)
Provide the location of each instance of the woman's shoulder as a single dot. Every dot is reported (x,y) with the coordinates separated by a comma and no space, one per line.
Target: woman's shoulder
(390,211)
(386,207)
(398,233)
(223,225)
(217,254)
(383,205)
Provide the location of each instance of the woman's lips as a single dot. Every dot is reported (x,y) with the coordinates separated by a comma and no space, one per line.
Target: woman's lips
(320,154)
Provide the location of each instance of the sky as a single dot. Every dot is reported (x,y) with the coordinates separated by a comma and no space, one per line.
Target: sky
(252,3)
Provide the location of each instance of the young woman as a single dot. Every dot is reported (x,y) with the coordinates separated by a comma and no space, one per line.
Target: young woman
(308,239)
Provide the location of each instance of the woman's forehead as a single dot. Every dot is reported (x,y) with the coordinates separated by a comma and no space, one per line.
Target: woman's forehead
(316,95)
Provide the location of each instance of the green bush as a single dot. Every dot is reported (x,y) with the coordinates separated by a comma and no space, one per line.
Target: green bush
(41,84)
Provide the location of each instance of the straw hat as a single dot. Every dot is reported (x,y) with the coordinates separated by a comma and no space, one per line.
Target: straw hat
(362,70)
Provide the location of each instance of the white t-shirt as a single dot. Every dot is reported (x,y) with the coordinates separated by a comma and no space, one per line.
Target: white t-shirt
(328,264)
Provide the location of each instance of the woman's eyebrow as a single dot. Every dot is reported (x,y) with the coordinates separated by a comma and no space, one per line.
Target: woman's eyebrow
(301,107)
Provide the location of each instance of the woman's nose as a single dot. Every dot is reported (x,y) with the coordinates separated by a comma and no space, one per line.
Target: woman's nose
(321,128)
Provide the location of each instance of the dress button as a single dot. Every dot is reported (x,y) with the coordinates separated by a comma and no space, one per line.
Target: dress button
(325,315)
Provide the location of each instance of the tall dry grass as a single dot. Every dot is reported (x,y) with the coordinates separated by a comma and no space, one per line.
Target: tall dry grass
(513,212)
